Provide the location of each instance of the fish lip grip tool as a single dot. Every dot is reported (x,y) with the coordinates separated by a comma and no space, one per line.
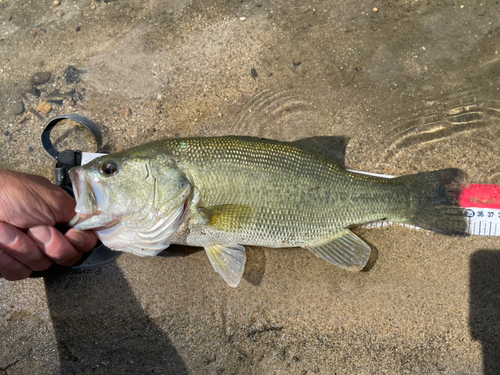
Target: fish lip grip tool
(68,159)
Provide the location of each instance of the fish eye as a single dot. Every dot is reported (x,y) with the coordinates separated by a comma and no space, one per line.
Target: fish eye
(108,168)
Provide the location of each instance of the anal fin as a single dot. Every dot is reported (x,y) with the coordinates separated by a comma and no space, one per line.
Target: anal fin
(345,250)
(228,261)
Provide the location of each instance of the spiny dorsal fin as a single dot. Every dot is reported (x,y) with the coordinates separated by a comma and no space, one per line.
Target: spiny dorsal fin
(345,250)
(228,261)
(332,147)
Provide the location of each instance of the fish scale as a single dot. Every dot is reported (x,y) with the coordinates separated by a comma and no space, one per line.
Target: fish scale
(308,194)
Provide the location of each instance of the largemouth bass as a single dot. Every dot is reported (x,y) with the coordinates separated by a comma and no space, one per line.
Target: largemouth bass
(223,193)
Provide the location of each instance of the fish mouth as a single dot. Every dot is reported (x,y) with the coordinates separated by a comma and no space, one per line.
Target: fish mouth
(87,196)
(86,202)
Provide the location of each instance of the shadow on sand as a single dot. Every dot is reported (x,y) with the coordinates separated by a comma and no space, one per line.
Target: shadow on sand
(101,327)
(485,306)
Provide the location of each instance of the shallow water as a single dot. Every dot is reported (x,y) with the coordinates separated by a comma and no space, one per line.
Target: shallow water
(415,85)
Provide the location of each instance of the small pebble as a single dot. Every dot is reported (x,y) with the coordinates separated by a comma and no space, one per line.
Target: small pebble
(462,6)
(17,108)
(72,74)
(127,111)
(93,7)
(71,102)
(44,107)
(40,77)
(56,3)
(253,73)
(37,115)
(24,118)
(375,9)
(59,13)
(243,18)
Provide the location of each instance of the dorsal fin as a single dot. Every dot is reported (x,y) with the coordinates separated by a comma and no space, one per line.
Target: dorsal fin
(332,147)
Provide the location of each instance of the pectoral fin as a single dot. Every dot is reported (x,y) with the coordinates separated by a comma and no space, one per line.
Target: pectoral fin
(227,217)
(228,261)
(345,250)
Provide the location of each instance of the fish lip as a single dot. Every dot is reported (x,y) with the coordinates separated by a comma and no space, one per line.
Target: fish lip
(85,222)
(77,183)
(72,178)
(81,185)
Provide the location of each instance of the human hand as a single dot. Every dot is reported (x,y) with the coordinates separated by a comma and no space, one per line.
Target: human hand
(30,206)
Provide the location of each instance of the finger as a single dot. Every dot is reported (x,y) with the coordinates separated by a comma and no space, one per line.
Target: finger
(11,269)
(54,245)
(82,240)
(19,246)
(33,200)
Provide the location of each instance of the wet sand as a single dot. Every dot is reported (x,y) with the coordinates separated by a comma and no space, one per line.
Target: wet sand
(416,87)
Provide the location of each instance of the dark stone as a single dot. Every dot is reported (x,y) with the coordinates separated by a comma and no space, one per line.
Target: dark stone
(296,63)
(6,134)
(34,91)
(17,108)
(40,78)
(55,95)
(253,73)
(30,149)
(78,28)
(72,75)
(58,97)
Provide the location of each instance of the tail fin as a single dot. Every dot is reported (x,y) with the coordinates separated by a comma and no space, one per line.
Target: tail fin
(434,201)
